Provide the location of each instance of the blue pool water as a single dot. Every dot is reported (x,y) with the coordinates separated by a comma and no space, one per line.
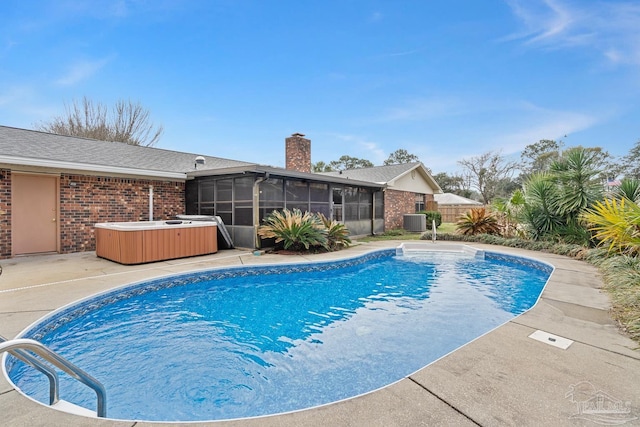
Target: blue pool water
(253,341)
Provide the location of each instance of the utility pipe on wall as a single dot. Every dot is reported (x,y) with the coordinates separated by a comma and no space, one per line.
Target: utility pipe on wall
(151,203)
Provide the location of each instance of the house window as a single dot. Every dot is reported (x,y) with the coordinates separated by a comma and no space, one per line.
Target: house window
(419,202)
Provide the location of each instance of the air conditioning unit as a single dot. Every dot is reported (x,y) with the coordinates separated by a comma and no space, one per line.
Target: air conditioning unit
(415,222)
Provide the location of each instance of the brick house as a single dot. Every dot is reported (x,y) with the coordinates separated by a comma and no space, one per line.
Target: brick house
(54,188)
(408,188)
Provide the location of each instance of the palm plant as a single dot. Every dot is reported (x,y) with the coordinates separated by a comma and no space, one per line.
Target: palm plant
(337,233)
(539,214)
(510,212)
(294,229)
(478,221)
(616,223)
(629,189)
(579,186)
(556,199)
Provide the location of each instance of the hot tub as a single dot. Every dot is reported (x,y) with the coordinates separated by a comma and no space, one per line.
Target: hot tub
(149,241)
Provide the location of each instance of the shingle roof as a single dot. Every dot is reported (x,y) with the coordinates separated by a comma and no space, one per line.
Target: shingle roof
(22,143)
(454,199)
(286,173)
(379,174)
(387,174)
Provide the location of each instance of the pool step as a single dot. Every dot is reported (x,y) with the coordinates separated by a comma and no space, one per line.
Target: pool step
(72,408)
(409,247)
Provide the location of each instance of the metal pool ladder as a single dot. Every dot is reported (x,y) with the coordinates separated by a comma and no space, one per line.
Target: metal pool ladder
(22,349)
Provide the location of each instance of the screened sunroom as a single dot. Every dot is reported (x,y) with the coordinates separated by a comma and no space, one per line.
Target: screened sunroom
(243,197)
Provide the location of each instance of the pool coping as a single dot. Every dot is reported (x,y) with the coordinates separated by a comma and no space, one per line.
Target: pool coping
(492,380)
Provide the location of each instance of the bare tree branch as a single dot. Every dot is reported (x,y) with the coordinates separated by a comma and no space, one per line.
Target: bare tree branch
(487,172)
(128,122)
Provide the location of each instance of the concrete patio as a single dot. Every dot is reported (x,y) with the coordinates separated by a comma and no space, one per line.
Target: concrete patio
(502,378)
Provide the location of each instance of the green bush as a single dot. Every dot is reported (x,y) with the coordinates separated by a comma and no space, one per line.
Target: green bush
(432,215)
(295,230)
(337,233)
(478,221)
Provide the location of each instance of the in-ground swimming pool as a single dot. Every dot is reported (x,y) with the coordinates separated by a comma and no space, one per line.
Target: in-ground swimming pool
(242,342)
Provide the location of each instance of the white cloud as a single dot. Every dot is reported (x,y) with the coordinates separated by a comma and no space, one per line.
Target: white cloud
(424,109)
(556,126)
(82,70)
(610,28)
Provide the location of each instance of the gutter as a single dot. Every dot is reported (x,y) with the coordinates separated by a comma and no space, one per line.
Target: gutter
(57,164)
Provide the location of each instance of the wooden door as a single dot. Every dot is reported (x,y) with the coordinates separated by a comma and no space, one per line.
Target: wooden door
(34,213)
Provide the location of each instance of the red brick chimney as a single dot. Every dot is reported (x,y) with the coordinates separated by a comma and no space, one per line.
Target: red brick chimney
(298,153)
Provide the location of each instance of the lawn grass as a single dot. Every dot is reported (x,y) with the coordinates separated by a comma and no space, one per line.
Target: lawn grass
(447,227)
(400,234)
(396,234)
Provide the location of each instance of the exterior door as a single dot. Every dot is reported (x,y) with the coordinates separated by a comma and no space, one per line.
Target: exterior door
(34,214)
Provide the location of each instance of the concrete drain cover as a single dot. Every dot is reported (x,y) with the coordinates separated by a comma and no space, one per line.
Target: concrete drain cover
(551,339)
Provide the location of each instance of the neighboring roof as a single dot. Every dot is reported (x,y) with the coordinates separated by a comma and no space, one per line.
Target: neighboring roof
(454,199)
(33,148)
(387,174)
(281,172)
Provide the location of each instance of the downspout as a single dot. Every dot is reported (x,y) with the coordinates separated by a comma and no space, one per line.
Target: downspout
(256,209)
(151,203)
(373,213)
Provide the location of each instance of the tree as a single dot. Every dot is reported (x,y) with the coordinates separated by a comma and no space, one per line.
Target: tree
(126,122)
(400,156)
(538,157)
(320,167)
(455,184)
(449,183)
(347,162)
(576,174)
(631,162)
(487,173)
(556,199)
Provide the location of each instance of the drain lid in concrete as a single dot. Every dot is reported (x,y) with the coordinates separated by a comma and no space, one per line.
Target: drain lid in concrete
(551,339)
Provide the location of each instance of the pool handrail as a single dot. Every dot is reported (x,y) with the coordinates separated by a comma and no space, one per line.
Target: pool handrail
(62,364)
(52,376)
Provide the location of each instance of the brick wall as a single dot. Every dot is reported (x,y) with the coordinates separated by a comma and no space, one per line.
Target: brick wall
(85,200)
(5,213)
(298,153)
(396,204)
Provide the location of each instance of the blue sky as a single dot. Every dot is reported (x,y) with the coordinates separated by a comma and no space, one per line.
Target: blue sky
(443,79)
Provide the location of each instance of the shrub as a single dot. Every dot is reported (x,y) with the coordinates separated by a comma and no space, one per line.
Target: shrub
(478,221)
(337,233)
(616,223)
(432,215)
(294,229)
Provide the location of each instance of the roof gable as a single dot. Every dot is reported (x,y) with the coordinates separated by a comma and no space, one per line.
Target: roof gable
(389,174)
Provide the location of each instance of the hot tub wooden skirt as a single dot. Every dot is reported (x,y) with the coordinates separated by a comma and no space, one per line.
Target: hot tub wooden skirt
(136,246)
